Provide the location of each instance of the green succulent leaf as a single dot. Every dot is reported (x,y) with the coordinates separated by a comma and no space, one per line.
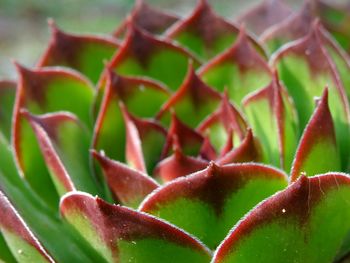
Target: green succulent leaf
(305,68)
(7,100)
(132,92)
(272,116)
(6,255)
(148,18)
(205,33)
(240,69)
(192,102)
(208,203)
(129,186)
(225,126)
(64,144)
(124,235)
(177,165)
(318,138)
(23,244)
(264,15)
(307,222)
(141,54)
(85,53)
(43,91)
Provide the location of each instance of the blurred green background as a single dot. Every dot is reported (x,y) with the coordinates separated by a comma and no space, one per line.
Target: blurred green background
(23,23)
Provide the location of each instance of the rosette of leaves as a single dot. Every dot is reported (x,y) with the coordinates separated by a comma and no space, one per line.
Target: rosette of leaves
(196,141)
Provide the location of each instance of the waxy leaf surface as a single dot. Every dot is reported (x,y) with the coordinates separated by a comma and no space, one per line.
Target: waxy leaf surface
(141,54)
(240,69)
(146,17)
(129,186)
(124,235)
(273,118)
(85,53)
(208,203)
(318,138)
(22,242)
(307,222)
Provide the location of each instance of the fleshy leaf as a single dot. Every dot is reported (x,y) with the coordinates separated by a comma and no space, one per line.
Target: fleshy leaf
(265,14)
(318,138)
(147,18)
(305,68)
(181,136)
(208,203)
(225,126)
(42,91)
(7,100)
(141,54)
(85,53)
(204,32)
(64,144)
(335,17)
(128,186)
(23,244)
(307,222)
(144,142)
(178,165)
(124,235)
(192,102)
(248,151)
(133,92)
(293,27)
(240,69)
(59,239)
(272,116)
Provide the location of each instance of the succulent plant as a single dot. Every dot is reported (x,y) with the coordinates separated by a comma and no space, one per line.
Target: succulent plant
(199,140)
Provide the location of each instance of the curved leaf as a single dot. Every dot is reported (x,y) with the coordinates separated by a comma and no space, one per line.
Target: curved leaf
(124,235)
(7,100)
(307,222)
(85,53)
(128,186)
(141,54)
(208,203)
(240,69)
(318,139)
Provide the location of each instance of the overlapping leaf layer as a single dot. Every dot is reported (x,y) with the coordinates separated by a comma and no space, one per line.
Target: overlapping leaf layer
(182,139)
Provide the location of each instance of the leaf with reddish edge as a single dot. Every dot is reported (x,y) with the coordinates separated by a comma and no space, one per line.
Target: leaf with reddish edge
(141,54)
(273,118)
(293,27)
(64,145)
(225,126)
(7,100)
(192,102)
(335,17)
(208,203)
(129,186)
(133,92)
(318,138)
(43,91)
(144,142)
(264,15)
(306,68)
(178,165)
(24,246)
(240,69)
(307,222)
(58,238)
(124,235)
(248,151)
(182,136)
(205,33)
(147,18)
(85,53)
